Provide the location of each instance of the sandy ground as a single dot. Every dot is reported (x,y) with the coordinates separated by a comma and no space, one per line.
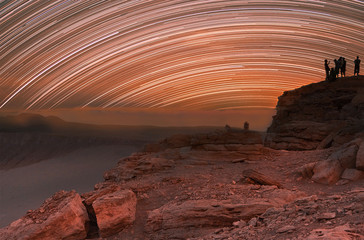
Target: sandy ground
(27,187)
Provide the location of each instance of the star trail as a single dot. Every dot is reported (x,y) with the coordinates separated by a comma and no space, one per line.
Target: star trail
(175,54)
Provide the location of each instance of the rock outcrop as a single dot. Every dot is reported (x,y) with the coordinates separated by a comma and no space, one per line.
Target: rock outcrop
(341,164)
(318,115)
(311,217)
(173,218)
(215,141)
(112,208)
(62,216)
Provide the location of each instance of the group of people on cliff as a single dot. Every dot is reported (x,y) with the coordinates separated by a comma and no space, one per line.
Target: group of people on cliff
(340,67)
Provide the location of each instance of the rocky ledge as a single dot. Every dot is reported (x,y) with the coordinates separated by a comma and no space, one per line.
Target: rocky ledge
(318,115)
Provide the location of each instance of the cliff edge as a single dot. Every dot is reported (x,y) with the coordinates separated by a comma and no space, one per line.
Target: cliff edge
(319,115)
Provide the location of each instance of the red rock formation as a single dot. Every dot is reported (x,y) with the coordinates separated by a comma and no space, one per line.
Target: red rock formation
(62,216)
(308,115)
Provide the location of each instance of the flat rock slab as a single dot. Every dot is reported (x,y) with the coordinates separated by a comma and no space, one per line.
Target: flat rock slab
(326,216)
(203,213)
(63,216)
(287,228)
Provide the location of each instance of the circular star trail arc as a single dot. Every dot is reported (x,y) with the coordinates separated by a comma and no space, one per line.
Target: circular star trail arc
(177,54)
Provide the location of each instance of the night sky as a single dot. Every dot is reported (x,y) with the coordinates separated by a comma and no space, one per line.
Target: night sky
(175,54)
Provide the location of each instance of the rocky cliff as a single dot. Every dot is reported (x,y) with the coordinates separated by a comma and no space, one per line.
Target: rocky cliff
(318,115)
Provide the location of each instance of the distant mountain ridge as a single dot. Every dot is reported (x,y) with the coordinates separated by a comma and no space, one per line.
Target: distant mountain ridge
(29,138)
(30,122)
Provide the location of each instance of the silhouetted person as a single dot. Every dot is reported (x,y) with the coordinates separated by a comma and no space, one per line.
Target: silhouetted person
(246,126)
(337,67)
(357,66)
(332,76)
(327,69)
(343,67)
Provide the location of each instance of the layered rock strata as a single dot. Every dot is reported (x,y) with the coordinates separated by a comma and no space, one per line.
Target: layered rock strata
(318,115)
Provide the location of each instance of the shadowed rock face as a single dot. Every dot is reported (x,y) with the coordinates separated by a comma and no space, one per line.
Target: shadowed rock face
(318,115)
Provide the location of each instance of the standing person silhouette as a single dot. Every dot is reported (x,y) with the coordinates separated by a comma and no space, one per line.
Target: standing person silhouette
(327,69)
(343,67)
(332,76)
(337,67)
(357,66)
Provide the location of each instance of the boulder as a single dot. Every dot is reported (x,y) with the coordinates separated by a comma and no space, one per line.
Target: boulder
(63,216)
(330,170)
(307,170)
(327,172)
(360,157)
(352,174)
(114,211)
(346,156)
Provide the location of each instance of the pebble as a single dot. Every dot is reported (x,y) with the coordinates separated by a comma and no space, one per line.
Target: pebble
(287,228)
(239,224)
(253,222)
(324,216)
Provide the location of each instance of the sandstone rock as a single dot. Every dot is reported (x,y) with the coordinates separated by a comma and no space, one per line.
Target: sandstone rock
(63,216)
(203,213)
(253,222)
(307,170)
(327,172)
(214,147)
(326,216)
(245,148)
(360,157)
(352,174)
(287,228)
(327,142)
(279,197)
(298,135)
(243,138)
(317,115)
(115,211)
(346,156)
(239,224)
(133,166)
(237,160)
(338,233)
(260,178)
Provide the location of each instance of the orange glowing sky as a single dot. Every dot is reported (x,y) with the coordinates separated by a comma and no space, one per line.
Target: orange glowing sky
(176,54)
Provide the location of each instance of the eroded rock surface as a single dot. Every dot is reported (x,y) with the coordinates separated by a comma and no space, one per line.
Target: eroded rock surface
(318,115)
(115,211)
(62,216)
